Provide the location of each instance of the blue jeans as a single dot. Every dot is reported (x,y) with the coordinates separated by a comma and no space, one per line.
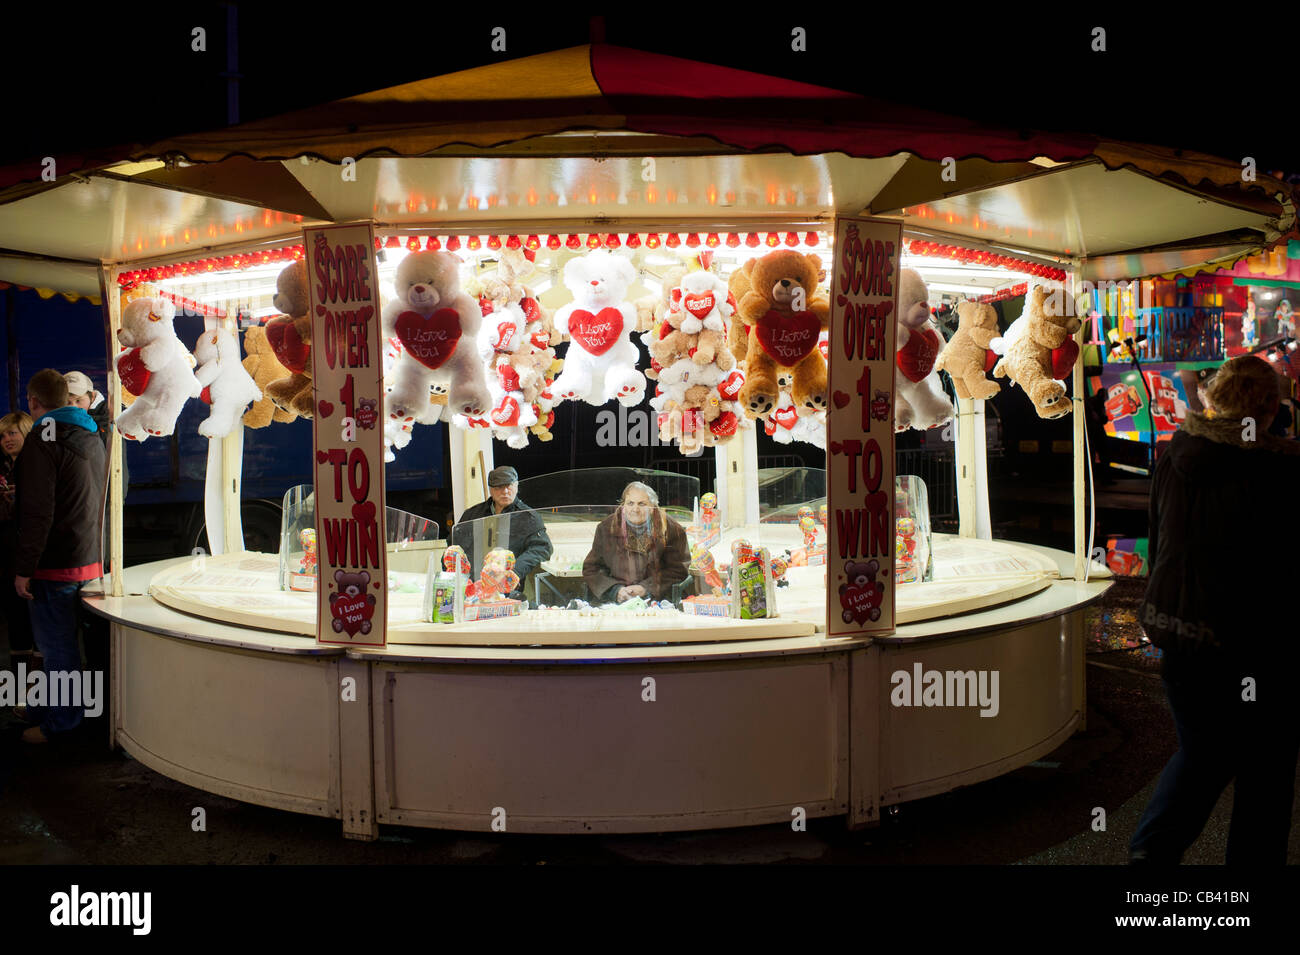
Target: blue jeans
(1222,738)
(54,628)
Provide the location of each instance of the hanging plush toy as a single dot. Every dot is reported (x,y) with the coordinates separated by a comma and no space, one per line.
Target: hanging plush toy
(516,343)
(157,369)
(429,317)
(263,367)
(785,315)
(1038,352)
(920,402)
(695,395)
(227,387)
(967,357)
(290,339)
(601,362)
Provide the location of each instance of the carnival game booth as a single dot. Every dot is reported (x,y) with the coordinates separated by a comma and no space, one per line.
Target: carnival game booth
(392,692)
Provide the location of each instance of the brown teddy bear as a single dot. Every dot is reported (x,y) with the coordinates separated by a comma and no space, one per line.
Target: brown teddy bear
(1038,352)
(290,338)
(264,368)
(785,316)
(966,357)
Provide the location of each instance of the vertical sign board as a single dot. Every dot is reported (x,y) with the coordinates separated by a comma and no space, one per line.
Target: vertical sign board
(860,425)
(347,365)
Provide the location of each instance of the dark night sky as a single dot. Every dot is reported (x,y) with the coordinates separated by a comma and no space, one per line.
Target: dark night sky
(106,76)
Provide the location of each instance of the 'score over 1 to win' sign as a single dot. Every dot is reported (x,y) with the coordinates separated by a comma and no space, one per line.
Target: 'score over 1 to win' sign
(347,365)
(860,428)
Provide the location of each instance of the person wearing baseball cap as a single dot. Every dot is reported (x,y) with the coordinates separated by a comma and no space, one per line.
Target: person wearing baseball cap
(504,521)
(82,394)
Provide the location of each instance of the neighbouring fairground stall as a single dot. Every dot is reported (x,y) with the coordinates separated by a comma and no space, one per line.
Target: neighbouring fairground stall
(1150,347)
(771,257)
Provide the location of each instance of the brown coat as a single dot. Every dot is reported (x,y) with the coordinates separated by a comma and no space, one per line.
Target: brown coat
(612,564)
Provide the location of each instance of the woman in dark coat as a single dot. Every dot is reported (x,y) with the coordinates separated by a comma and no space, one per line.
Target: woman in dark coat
(638,551)
(1220,604)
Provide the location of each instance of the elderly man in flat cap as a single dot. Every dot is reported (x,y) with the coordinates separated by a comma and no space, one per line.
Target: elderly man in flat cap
(509,523)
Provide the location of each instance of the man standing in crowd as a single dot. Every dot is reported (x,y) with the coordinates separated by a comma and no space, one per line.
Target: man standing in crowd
(510,524)
(60,477)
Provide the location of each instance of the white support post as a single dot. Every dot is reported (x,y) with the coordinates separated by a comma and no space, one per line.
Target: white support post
(1081,555)
(110,297)
(737,479)
(471,460)
(232,469)
(967,507)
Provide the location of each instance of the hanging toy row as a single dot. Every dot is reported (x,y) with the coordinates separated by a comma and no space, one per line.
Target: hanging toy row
(160,375)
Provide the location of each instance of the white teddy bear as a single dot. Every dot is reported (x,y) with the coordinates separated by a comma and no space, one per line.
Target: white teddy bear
(157,369)
(227,387)
(430,317)
(704,302)
(503,332)
(601,362)
(920,403)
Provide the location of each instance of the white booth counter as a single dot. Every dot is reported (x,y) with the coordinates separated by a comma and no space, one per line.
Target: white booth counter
(763,718)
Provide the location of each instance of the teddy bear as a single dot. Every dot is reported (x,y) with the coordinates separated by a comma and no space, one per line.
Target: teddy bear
(1038,352)
(601,362)
(919,402)
(966,357)
(227,387)
(652,309)
(353,599)
(429,317)
(785,315)
(157,369)
(263,367)
(290,338)
(704,309)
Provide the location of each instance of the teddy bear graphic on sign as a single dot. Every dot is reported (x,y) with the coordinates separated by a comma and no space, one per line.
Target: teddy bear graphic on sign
(861,597)
(367,413)
(227,386)
(353,605)
(429,317)
(785,316)
(600,365)
(290,338)
(157,369)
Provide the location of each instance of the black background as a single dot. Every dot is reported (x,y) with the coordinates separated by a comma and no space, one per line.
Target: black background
(77,78)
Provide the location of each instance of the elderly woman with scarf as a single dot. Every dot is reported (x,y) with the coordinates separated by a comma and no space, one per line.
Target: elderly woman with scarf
(638,551)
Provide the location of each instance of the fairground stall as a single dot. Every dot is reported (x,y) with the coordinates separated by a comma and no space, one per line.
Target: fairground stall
(716,253)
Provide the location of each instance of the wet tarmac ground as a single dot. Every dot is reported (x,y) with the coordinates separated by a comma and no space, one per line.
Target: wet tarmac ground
(80,803)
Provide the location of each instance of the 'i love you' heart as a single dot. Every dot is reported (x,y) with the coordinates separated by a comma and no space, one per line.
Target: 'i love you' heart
(786,336)
(596,333)
(430,341)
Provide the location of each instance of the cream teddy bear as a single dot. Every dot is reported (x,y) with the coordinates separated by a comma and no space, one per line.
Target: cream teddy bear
(157,369)
(966,356)
(1038,352)
(601,362)
(920,402)
(429,317)
(227,387)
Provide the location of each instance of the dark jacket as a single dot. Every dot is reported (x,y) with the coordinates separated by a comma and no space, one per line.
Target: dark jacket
(99,414)
(527,537)
(60,499)
(611,564)
(8,521)
(1223,565)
